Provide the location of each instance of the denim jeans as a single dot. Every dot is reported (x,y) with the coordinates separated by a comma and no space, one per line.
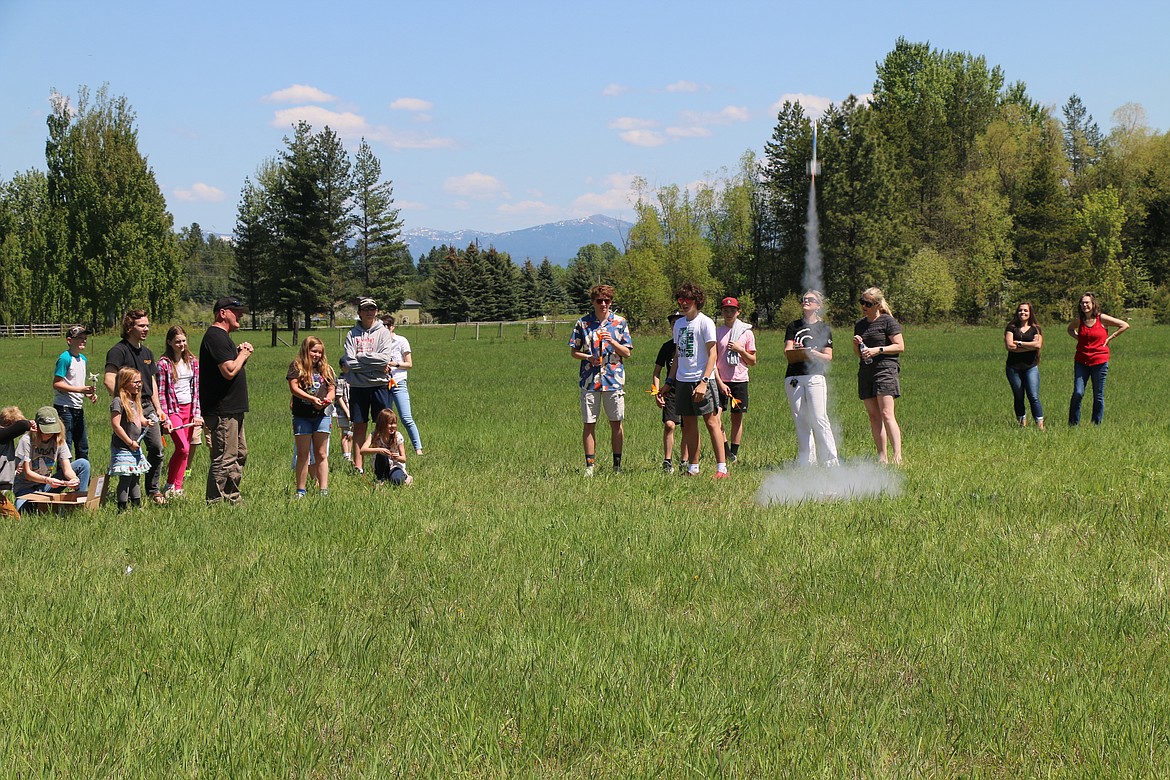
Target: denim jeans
(1026,382)
(80,470)
(401,397)
(75,433)
(1082,374)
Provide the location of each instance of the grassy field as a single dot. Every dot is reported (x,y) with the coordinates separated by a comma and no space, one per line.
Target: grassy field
(1005,616)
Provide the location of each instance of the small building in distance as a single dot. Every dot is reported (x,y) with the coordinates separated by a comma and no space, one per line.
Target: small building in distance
(410,313)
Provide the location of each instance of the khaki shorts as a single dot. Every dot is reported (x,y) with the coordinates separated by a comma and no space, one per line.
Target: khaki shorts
(614,402)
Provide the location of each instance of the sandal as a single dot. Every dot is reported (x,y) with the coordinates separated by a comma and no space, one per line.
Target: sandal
(158,498)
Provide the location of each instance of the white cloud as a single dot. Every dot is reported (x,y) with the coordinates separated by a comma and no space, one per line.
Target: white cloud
(351,126)
(688,132)
(617,198)
(682,86)
(613,90)
(643,137)
(299,93)
(528,208)
(631,123)
(199,192)
(412,104)
(399,141)
(479,186)
(726,116)
(814,105)
(344,123)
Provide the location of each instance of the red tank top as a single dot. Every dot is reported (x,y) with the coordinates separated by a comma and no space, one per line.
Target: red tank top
(1091,347)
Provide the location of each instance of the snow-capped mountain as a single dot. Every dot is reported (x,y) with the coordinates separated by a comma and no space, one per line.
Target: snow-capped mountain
(558,241)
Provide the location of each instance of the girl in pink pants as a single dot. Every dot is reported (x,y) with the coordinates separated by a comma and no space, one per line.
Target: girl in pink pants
(178,396)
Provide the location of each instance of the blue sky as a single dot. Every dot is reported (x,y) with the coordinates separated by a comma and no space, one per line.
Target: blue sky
(499,116)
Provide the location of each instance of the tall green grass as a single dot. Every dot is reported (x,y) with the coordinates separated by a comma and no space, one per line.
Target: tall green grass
(1005,615)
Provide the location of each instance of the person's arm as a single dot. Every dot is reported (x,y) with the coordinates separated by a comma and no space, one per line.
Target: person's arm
(196,408)
(111,376)
(229,369)
(71,480)
(62,386)
(1121,325)
(1073,327)
(19,428)
(1009,341)
(164,387)
(746,355)
(406,363)
(708,369)
(116,424)
(369,449)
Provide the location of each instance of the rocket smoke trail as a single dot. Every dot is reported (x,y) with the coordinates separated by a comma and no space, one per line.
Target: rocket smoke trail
(813,268)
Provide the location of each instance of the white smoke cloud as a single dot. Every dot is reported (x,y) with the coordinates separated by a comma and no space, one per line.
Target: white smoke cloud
(846,482)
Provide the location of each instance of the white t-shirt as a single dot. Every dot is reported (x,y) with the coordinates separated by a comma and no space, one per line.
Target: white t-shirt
(183,382)
(692,339)
(399,349)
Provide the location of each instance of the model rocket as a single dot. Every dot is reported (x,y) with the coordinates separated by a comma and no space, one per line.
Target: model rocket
(814,167)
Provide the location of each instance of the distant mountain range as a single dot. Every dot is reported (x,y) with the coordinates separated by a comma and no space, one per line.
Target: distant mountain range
(558,241)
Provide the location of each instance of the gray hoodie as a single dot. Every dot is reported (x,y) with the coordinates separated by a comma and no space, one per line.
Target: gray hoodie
(367,353)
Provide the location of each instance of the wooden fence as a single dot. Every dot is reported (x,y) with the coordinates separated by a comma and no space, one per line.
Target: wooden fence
(34,330)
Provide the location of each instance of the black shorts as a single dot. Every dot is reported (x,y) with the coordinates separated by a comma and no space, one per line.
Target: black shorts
(669,413)
(878,379)
(685,403)
(366,403)
(739,391)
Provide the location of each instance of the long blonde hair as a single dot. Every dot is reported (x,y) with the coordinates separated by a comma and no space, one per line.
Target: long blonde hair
(131,405)
(877,296)
(304,363)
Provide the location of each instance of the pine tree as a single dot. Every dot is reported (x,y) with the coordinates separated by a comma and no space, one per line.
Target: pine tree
(379,262)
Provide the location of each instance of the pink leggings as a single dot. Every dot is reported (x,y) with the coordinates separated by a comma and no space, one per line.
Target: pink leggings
(182,439)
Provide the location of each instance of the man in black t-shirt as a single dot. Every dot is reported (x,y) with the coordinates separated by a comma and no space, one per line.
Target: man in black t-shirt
(132,352)
(223,394)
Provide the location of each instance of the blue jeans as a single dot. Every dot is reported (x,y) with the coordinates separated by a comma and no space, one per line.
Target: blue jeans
(1081,374)
(1026,382)
(80,468)
(401,397)
(75,433)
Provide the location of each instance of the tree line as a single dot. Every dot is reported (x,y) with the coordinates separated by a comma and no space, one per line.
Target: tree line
(950,188)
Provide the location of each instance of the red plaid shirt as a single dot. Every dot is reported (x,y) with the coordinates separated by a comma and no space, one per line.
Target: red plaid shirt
(168,399)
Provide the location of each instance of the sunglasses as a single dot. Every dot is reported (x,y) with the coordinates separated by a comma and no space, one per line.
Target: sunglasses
(684,300)
(602,300)
(808,299)
(867,304)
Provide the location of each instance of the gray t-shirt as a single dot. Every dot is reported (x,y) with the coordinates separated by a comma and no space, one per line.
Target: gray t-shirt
(42,457)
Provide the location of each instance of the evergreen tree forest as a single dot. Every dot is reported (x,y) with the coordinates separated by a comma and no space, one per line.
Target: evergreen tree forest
(315,229)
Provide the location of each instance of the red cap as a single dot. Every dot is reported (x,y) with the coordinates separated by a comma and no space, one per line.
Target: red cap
(729,301)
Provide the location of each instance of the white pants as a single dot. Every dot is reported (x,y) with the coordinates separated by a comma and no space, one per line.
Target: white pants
(808,397)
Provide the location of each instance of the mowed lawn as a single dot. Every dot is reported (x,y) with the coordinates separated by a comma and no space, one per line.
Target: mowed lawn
(1006,615)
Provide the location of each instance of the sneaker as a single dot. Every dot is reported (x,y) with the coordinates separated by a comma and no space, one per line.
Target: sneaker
(721,475)
(617,469)
(732,458)
(667,467)
(300,494)
(322,492)
(589,471)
